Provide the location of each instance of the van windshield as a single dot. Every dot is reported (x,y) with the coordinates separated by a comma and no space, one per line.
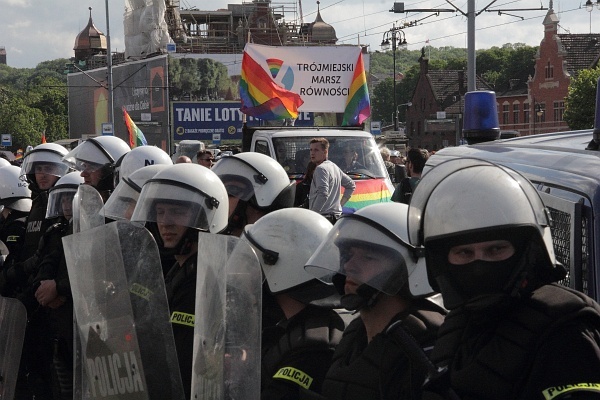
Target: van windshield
(358,157)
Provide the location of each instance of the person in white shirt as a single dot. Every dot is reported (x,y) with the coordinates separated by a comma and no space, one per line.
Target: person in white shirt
(328,179)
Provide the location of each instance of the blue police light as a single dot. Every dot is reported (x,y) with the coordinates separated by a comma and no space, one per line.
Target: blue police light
(481,117)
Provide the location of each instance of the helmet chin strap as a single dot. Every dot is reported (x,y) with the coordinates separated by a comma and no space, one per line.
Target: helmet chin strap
(366,297)
(238,219)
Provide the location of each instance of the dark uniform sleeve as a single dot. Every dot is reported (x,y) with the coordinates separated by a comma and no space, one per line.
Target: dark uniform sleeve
(567,362)
(304,368)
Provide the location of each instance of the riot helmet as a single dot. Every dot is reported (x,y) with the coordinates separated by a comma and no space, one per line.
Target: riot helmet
(254,179)
(195,197)
(367,253)
(284,240)
(4,162)
(97,155)
(467,201)
(60,197)
(14,192)
(45,159)
(137,158)
(121,203)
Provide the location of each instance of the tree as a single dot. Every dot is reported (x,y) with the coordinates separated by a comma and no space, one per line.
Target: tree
(581,99)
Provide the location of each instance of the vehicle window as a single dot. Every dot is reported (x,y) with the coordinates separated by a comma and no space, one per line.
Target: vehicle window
(293,154)
(262,147)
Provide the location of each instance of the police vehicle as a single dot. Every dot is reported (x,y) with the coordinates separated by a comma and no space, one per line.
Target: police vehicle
(565,168)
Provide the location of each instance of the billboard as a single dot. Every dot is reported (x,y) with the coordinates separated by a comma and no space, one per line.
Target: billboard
(140,87)
(201,120)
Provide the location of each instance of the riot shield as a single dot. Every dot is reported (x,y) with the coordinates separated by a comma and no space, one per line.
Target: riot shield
(120,303)
(13,319)
(87,204)
(227,328)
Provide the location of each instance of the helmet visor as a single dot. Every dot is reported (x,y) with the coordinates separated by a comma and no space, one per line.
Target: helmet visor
(88,156)
(60,202)
(122,201)
(173,203)
(365,254)
(240,178)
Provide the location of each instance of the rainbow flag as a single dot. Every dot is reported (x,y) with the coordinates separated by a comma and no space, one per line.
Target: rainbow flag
(261,97)
(368,192)
(358,105)
(136,136)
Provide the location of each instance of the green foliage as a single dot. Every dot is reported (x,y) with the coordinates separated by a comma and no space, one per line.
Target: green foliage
(497,66)
(581,99)
(198,79)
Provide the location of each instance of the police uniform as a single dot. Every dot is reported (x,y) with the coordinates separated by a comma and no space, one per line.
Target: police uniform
(12,234)
(297,352)
(523,348)
(382,368)
(180,284)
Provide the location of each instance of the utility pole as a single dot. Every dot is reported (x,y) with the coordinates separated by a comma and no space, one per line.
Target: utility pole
(470,15)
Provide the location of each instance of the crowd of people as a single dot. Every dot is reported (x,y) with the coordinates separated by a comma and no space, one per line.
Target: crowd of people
(447,292)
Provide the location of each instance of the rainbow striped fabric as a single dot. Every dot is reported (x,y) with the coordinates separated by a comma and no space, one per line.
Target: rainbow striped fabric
(358,105)
(368,192)
(261,97)
(136,136)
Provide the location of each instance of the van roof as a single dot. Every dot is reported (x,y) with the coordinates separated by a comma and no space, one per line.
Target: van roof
(560,157)
(312,133)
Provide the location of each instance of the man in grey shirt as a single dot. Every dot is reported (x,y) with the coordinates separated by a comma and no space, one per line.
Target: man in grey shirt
(327,182)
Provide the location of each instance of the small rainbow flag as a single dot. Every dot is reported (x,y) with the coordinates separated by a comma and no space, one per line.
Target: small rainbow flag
(136,136)
(261,97)
(358,105)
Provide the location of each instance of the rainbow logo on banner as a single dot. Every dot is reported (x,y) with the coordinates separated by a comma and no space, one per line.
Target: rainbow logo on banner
(261,97)
(369,192)
(274,66)
(358,105)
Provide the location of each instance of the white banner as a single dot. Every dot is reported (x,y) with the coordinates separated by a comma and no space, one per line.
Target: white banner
(321,75)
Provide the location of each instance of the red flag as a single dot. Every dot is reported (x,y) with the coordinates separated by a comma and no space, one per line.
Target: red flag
(44,137)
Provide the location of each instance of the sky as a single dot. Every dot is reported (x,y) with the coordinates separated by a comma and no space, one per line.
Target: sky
(33,31)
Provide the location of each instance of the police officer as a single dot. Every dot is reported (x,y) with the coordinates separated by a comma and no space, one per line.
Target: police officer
(42,166)
(296,352)
(52,285)
(256,185)
(381,355)
(511,332)
(15,200)
(180,201)
(96,159)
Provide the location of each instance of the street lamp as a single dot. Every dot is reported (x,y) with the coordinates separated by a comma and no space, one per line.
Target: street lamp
(539,112)
(589,6)
(398,38)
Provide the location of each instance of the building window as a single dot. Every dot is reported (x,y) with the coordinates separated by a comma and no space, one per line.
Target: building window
(549,70)
(505,113)
(559,110)
(526,113)
(516,111)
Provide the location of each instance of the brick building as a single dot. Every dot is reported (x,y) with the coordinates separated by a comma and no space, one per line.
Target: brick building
(531,107)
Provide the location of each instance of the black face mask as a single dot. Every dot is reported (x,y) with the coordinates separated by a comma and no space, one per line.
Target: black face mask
(479,278)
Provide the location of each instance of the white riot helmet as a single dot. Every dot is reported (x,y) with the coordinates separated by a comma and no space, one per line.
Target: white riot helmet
(4,162)
(14,192)
(60,197)
(267,185)
(196,188)
(369,249)
(46,158)
(137,158)
(467,201)
(285,240)
(96,153)
(121,203)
